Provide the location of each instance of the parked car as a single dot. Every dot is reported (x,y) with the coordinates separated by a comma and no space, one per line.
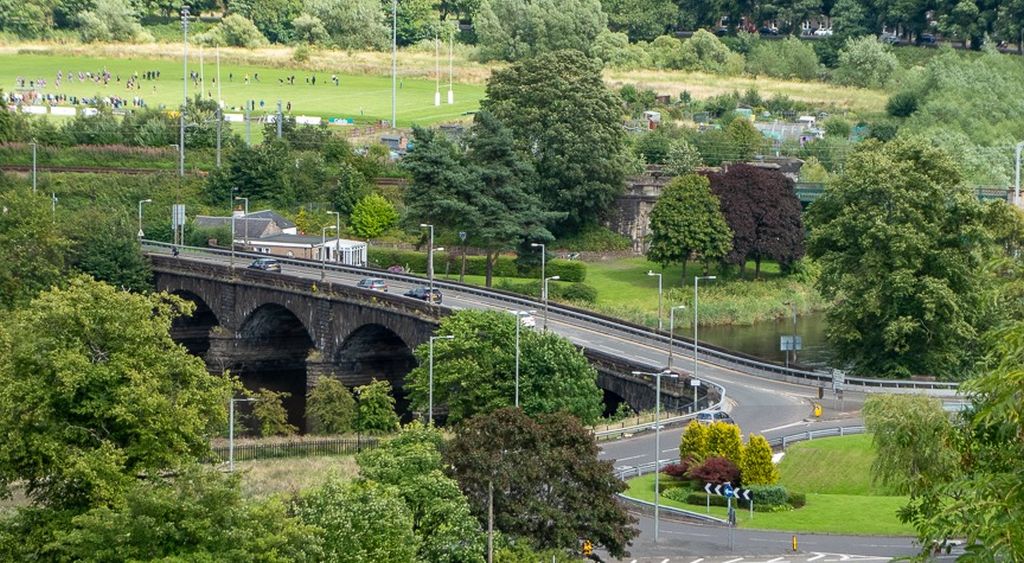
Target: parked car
(266,264)
(423,294)
(823,32)
(373,283)
(526,318)
(714,416)
(768,30)
(889,39)
(927,39)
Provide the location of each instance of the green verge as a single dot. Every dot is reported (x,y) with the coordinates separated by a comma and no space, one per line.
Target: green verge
(364,98)
(826,514)
(814,467)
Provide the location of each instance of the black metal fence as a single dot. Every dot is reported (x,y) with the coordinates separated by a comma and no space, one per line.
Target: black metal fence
(299,448)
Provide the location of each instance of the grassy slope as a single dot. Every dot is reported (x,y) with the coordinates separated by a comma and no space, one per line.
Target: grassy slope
(835,474)
(291,475)
(364,97)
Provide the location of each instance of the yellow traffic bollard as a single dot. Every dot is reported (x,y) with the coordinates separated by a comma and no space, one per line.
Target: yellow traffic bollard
(817,410)
(794,543)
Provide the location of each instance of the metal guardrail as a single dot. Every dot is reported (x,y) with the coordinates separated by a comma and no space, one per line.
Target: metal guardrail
(708,353)
(665,421)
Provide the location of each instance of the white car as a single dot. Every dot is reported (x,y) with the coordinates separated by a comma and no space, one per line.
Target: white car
(526,318)
(823,32)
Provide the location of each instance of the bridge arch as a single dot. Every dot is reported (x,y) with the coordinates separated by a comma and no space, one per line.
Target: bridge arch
(193,332)
(374,351)
(270,350)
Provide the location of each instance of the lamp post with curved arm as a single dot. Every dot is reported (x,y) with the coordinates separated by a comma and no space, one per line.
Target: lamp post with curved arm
(657,439)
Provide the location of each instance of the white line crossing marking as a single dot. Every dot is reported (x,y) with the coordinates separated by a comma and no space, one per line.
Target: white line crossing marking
(665,561)
(816,556)
(776,560)
(698,560)
(733,560)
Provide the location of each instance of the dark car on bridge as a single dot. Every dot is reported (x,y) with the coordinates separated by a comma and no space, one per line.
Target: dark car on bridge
(266,264)
(424,294)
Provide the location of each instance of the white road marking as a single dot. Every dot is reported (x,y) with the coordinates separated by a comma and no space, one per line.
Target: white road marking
(670,450)
(698,560)
(816,556)
(784,426)
(776,560)
(631,457)
(665,560)
(733,560)
(776,458)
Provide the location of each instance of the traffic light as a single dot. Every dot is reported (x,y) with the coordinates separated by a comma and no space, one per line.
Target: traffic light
(588,548)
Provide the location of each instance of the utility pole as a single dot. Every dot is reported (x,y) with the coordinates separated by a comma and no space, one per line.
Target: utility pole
(279,118)
(184,82)
(248,126)
(220,121)
(33,166)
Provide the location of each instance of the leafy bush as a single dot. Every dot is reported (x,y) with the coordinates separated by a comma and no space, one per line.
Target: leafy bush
(310,29)
(593,238)
(330,407)
(615,50)
(838,127)
(112,19)
(769,495)
(724,441)
(678,494)
(705,52)
(790,58)
(567,270)
(270,414)
(373,216)
(716,470)
(694,442)
(679,470)
(238,31)
(757,466)
(703,498)
(865,62)
(797,500)
(902,104)
(579,292)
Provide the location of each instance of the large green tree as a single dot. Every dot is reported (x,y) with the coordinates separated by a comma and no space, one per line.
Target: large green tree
(548,484)
(475,371)
(32,248)
(900,241)
(569,123)
(913,439)
(94,393)
(640,19)
(513,30)
(687,221)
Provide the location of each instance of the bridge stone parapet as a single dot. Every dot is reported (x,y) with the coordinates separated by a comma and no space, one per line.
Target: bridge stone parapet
(615,375)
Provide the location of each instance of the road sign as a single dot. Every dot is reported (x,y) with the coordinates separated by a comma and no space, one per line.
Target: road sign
(177,215)
(789,342)
(462,236)
(838,379)
(694,383)
(728,491)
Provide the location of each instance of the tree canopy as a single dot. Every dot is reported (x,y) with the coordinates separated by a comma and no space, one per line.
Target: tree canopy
(513,30)
(900,242)
(687,222)
(568,123)
(110,394)
(763,212)
(548,484)
(475,371)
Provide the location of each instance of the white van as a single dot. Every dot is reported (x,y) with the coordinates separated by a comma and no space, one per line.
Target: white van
(807,120)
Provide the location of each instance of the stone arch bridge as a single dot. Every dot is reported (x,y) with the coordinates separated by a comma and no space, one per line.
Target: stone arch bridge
(284,332)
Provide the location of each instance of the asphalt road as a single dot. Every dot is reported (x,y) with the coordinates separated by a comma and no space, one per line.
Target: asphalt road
(760,405)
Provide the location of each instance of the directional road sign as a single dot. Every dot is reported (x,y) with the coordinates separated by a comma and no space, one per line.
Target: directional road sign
(727,490)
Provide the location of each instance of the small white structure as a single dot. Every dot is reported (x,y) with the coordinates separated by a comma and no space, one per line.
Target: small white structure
(807,120)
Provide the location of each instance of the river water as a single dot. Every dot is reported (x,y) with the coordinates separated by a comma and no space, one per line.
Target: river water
(762,339)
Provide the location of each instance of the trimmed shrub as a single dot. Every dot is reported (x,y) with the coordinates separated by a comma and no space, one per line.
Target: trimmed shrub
(580,292)
(902,104)
(593,238)
(567,270)
(716,470)
(411,261)
(694,442)
(797,500)
(757,466)
(703,498)
(677,470)
(724,441)
(769,495)
(679,494)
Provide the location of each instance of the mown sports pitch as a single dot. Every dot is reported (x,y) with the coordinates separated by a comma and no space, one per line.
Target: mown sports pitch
(364,98)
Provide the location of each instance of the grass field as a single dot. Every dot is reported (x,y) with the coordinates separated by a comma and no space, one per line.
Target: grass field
(365,97)
(290,475)
(832,466)
(624,290)
(836,475)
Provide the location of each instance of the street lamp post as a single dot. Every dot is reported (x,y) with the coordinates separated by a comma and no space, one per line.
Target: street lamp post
(792,305)
(430,377)
(430,259)
(323,251)
(653,273)
(232,264)
(657,439)
(337,230)
(518,315)
(671,331)
(695,280)
(546,280)
(141,201)
(231,430)
(394,63)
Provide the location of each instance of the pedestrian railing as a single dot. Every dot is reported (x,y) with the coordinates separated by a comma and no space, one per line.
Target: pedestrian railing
(248,451)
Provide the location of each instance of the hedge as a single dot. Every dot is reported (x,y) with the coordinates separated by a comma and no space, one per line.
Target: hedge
(576,292)
(769,495)
(504,266)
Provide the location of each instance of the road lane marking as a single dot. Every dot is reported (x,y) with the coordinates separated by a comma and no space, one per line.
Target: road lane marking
(631,457)
(784,426)
(776,560)
(698,560)
(733,560)
(665,560)
(816,557)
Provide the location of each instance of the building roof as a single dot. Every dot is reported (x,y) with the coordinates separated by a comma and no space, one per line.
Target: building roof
(245,228)
(307,240)
(279,220)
